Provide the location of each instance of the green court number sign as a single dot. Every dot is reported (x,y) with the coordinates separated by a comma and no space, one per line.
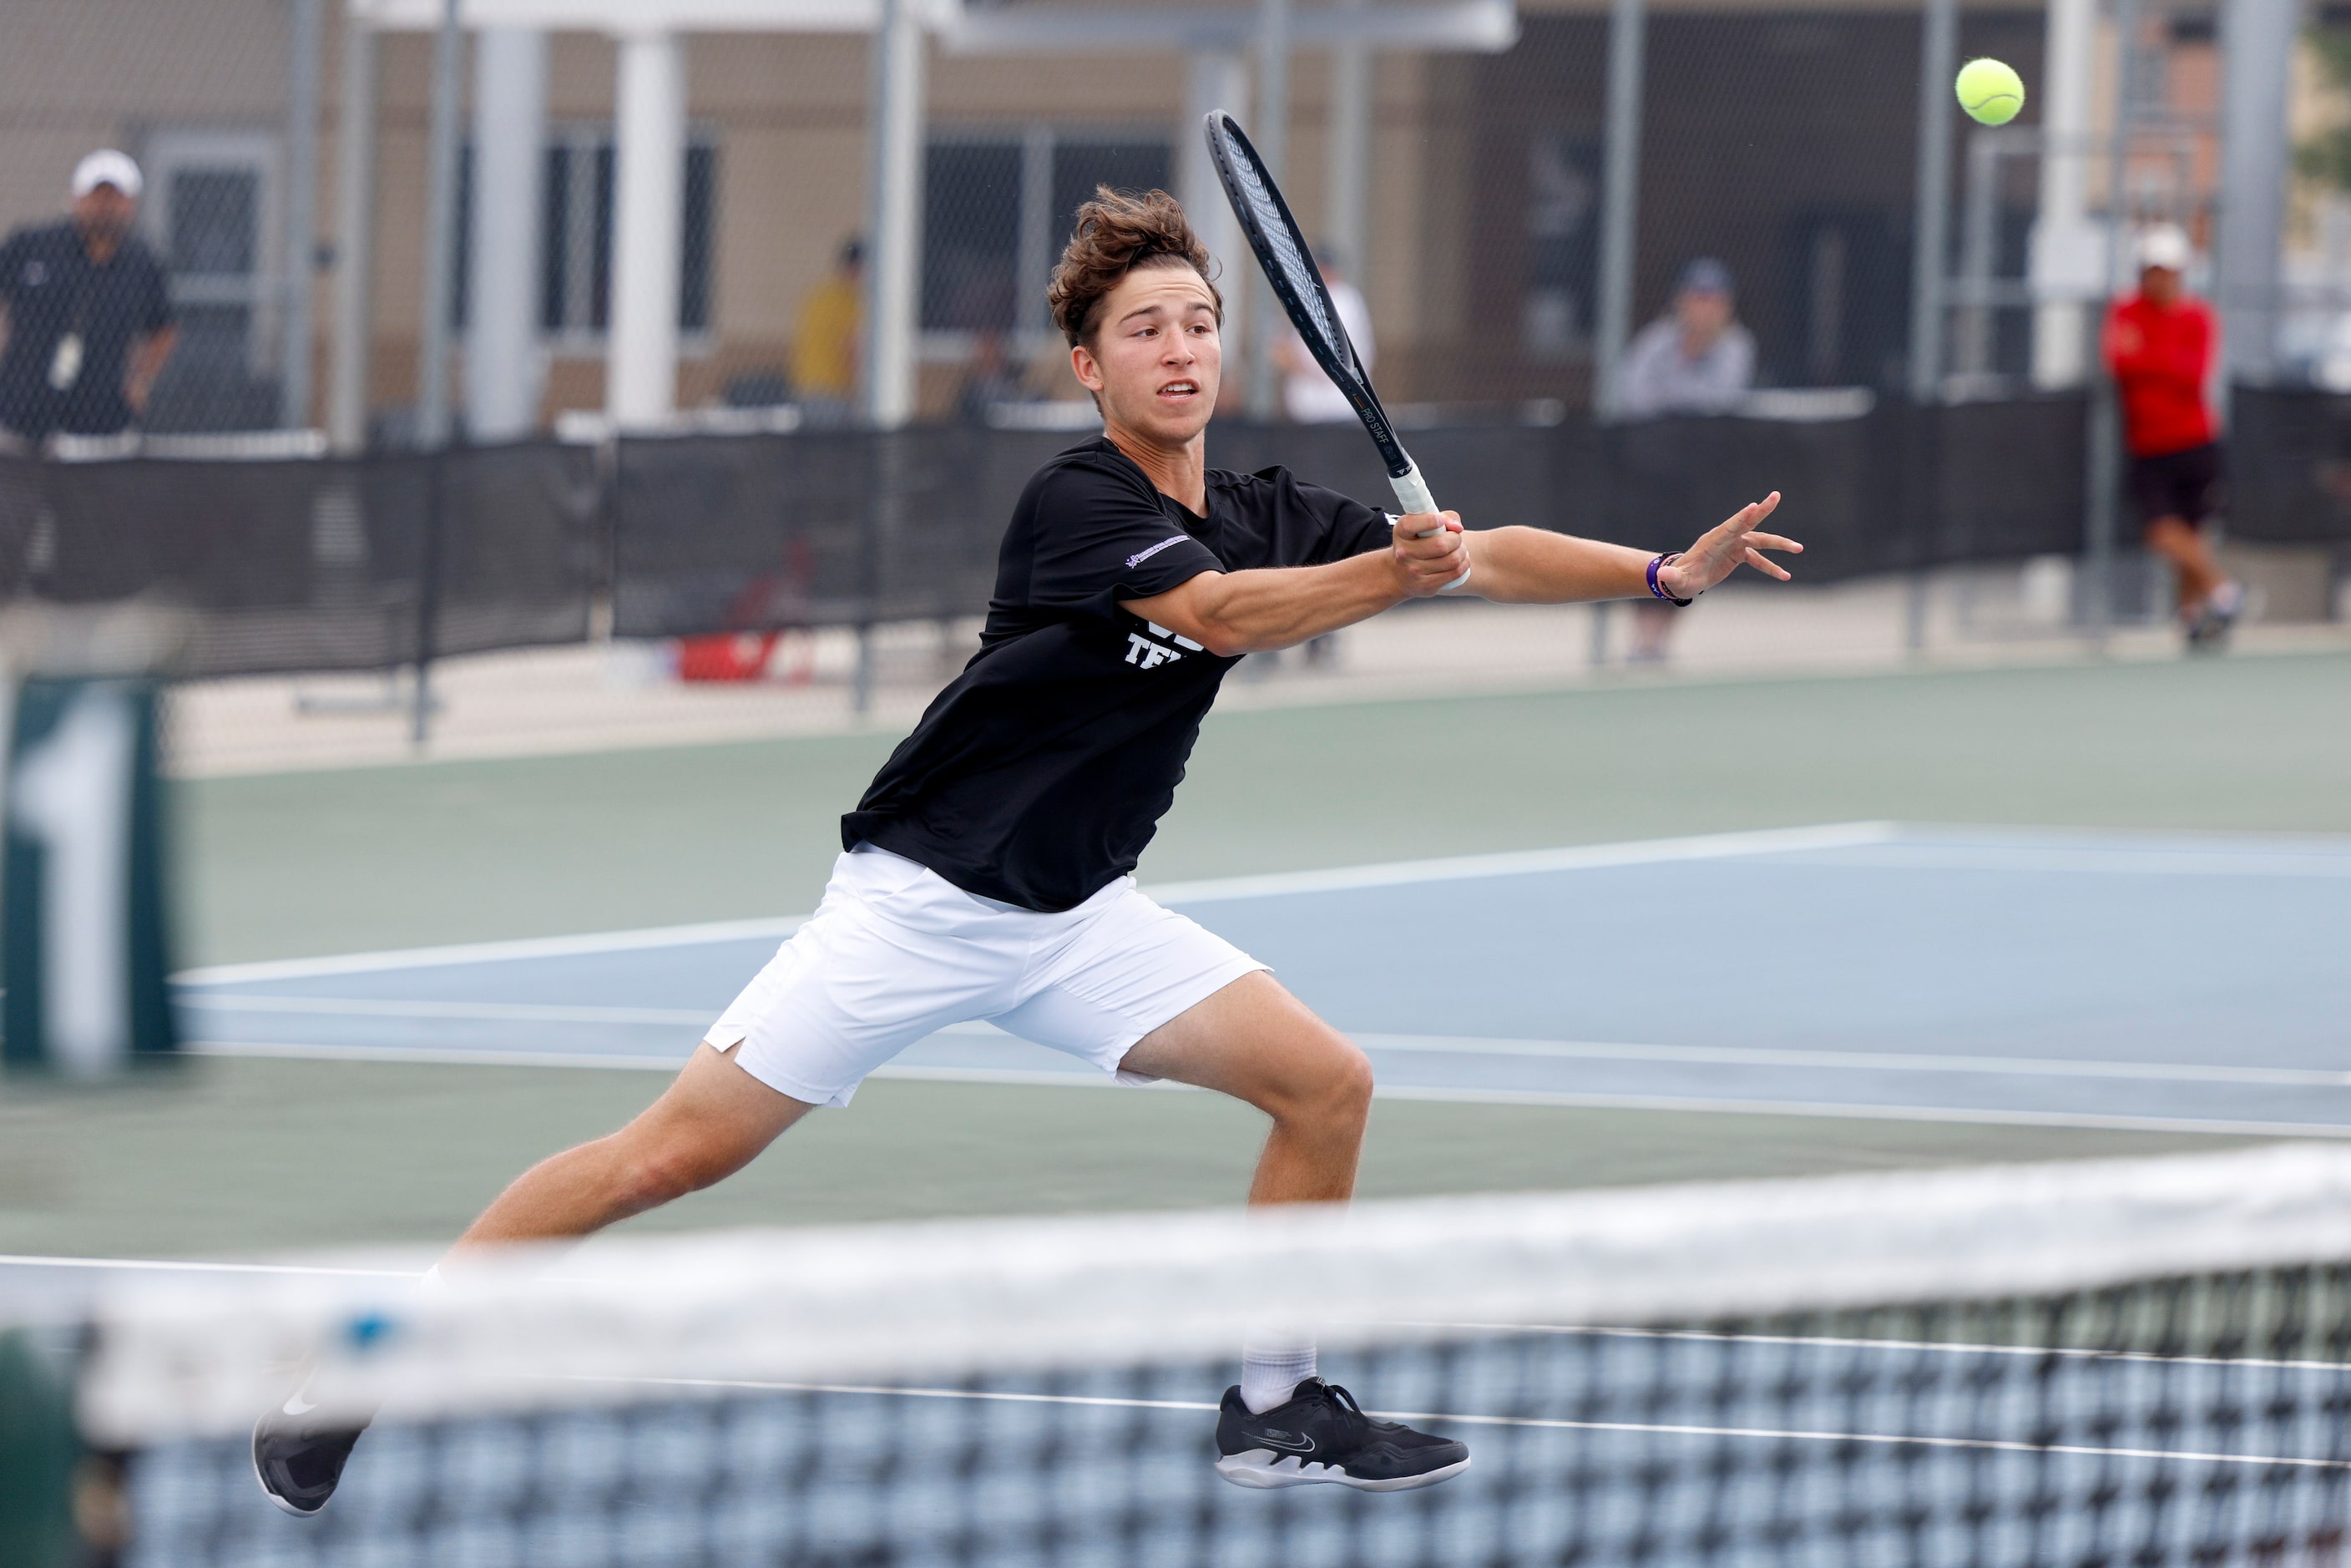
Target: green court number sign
(84,956)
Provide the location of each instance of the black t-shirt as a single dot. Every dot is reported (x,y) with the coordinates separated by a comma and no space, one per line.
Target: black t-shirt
(53,289)
(1039,776)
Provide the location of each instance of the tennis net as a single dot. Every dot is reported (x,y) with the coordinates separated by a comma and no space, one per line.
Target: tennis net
(2139,1362)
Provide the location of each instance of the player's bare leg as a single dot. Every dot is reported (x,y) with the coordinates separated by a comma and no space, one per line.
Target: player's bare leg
(1257,1043)
(711,1122)
(2178,542)
(1283,1426)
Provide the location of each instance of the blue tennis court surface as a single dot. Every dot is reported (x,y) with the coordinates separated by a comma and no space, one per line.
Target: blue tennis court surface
(2147,980)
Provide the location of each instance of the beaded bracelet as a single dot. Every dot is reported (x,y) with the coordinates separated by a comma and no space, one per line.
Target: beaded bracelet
(1656,590)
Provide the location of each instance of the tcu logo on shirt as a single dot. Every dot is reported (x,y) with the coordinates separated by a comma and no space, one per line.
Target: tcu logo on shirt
(1147,654)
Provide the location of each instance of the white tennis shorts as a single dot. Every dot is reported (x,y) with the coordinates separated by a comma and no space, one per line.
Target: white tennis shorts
(896,952)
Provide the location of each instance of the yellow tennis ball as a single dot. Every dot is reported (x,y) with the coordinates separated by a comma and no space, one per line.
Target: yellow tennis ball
(1990,91)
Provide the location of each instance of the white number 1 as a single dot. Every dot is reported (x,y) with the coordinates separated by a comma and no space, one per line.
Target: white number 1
(73,794)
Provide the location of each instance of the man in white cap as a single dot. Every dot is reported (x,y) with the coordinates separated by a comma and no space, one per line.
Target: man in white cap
(2160,344)
(85,312)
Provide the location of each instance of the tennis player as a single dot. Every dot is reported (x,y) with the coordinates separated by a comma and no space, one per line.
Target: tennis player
(987,872)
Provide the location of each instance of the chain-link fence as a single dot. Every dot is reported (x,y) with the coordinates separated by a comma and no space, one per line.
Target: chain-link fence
(1617,263)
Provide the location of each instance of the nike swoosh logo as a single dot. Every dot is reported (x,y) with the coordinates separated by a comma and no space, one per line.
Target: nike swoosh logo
(298,1405)
(1286,1443)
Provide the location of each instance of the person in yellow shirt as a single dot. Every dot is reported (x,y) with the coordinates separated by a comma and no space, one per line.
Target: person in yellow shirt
(824,346)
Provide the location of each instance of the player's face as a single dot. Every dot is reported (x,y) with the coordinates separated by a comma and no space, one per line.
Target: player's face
(1156,360)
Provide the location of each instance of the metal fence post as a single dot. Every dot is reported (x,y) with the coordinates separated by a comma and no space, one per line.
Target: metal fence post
(304,47)
(432,415)
(2104,477)
(1938,46)
(1620,199)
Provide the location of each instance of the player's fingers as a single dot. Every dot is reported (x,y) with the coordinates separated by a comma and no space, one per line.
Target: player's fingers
(1773,541)
(1767,566)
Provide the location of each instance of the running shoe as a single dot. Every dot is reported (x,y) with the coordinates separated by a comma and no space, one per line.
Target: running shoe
(300,1462)
(1322,1435)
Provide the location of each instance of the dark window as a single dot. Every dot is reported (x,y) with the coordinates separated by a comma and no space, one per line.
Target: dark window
(576,236)
(998,209)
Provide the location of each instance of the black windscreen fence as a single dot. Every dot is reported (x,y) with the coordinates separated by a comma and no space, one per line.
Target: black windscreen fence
(254,568)
(277,566)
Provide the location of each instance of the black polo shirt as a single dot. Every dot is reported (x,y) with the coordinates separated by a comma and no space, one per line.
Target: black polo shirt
(54,290)
(1039,776)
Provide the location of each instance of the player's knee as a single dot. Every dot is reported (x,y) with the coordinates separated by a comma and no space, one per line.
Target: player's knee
(1340,1094)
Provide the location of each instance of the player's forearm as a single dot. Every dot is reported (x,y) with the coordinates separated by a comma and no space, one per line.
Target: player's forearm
(1535,566)
(1281,607)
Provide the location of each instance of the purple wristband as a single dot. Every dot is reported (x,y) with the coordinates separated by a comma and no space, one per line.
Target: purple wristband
(1656,590)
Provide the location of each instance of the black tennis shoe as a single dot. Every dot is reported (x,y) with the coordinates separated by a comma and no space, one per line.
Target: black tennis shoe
(1322,1435)
(300,1462)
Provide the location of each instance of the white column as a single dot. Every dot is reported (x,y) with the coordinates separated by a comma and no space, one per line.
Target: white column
(1347,166)
(1214,79)
(347,400)
(503,368)
(894,251)
(648,222)
(2068,251)
(2257,45)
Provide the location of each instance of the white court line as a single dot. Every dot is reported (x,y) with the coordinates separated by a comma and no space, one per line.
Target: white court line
(487,1012)
(1769,1434)
(1644,852)
(1521,862)
(459,1056)
(2075,860)
(1851,1060)
(1895,842)
(1839,1111)
(172,1265)
(1448,1045)
(1553,1099)
(492,952)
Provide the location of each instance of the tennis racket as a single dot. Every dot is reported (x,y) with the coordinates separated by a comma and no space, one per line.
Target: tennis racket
(1297,282)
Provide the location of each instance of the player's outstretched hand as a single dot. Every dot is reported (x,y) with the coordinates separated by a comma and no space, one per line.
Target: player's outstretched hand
(1724,549)
(1427,565)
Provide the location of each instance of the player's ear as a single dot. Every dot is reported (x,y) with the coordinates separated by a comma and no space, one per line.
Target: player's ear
(1084,365)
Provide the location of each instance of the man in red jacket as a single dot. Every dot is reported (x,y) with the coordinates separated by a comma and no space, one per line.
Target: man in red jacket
(2160,344)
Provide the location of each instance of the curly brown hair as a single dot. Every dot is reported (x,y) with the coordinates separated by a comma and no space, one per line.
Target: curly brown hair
(1116,233)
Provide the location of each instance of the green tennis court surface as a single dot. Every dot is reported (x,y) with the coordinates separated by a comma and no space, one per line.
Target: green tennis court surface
(255,1155)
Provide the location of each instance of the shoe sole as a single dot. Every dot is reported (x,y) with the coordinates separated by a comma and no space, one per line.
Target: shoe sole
(1261,1470)
(252,1452)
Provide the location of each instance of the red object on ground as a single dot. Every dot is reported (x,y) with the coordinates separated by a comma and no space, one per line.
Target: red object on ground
(2160,356)
(730,656)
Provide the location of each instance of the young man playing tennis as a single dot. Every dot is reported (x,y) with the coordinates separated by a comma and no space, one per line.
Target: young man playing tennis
(985,872)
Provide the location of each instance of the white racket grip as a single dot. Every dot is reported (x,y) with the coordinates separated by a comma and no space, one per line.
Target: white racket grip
(1412,494)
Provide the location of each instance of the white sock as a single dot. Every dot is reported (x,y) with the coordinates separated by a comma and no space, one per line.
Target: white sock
(1269,1377)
